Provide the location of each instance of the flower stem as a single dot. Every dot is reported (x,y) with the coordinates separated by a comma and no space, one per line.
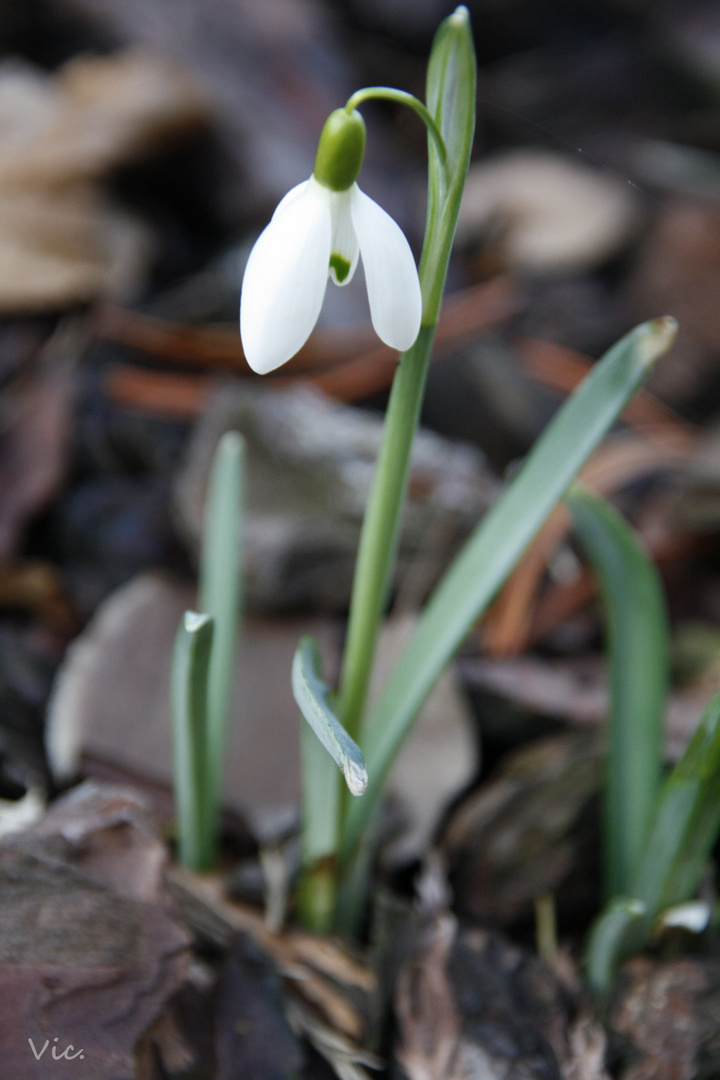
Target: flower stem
(389,93)
(450,120)
(381,526)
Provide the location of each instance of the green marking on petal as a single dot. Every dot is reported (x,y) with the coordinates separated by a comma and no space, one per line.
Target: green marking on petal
(340,266)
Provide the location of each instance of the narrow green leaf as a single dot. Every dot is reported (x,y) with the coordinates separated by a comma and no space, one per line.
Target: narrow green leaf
(614,934)
(687,822)
(188,701)
(313,698)
(684,831)
(321,798)
(321,781)
(352,889)
(638,645)
(450,92)
(450,88)
(495,548)
(220,595)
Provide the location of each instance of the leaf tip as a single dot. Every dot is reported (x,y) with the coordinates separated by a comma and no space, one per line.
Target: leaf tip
(356,777)
(657,339)
(232,441)
(460,16)
(195,622)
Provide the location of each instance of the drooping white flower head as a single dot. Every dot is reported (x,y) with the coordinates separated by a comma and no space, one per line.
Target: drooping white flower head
(319,230)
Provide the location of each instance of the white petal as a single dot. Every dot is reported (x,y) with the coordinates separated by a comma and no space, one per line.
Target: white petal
(344,244)
(285,278)
(390,272)
(291,196)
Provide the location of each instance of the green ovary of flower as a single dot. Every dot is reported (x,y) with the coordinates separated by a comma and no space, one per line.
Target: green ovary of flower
(341,150)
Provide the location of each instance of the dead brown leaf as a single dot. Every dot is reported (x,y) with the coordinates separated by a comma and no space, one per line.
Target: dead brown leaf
(657,1009)
(89,950)
(587,1045)
(556,215)
(575,691)
(110,700)
(526,832)
(59,249)
(61,242)
(253,1038)
(34,445)
(564,369)
(345,364)
(428,1020)
(96,113)
(34,588)
(322,980)
(617,463)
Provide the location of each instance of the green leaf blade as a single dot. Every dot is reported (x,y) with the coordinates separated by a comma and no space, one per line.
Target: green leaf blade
(616,932)
(496,546)
(313,699)
(687,822)
(188,702)
(684,831)
(638,645)
(220,596)
(321,802)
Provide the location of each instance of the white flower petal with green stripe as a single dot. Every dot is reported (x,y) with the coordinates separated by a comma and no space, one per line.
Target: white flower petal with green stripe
(316,233)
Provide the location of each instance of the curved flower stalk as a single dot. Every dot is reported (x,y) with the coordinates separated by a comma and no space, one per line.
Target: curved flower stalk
(319,231)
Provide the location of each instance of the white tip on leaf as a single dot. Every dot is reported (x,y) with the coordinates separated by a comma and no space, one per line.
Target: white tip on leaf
(311,695)
(658,336)
(356,776)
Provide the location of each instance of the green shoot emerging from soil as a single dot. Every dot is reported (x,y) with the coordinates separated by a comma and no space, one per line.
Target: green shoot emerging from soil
(203,663)
(657,840)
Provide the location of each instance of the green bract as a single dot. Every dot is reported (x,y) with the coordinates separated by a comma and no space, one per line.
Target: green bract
(341,150)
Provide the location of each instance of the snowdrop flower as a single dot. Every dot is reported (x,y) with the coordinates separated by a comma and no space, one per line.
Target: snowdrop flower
(319,230)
